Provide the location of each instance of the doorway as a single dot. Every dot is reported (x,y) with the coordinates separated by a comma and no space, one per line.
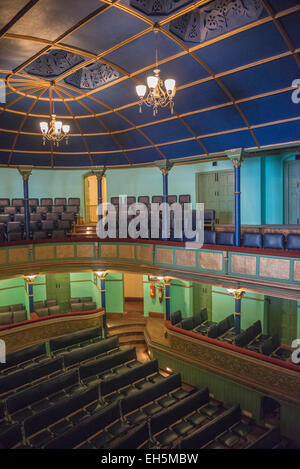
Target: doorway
(58,288)
(91,197)
(292,192)
(216,191)
(133,294)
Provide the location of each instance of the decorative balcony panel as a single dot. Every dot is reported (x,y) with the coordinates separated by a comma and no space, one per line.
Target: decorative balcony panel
(158,7)
(53,63)
(215,18)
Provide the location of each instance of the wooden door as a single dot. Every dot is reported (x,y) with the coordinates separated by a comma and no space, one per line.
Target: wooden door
(58,288)
(91,197)
(216,191)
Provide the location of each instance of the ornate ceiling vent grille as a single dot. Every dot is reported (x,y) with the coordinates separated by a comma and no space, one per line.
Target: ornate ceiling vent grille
(53,63)
(216,18)
(93,76)
(158,7)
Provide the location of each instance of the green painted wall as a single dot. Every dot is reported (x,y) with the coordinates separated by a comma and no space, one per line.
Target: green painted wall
(202,298)
(253,307)
(40,291)
(114,292)
(261,184)
(43,183)
(181,297)
(152,304)
(12,291)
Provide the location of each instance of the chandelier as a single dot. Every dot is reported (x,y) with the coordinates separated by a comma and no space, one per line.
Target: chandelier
(55,131)
(157,93)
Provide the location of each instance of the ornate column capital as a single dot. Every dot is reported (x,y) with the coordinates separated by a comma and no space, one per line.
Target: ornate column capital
(165,167)
(99,172)
(237,157)
(25,173)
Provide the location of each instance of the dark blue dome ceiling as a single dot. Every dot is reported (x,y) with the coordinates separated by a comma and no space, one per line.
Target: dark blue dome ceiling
(234,62)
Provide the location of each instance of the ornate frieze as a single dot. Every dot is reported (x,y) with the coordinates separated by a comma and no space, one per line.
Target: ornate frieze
(284,384)
(215,18)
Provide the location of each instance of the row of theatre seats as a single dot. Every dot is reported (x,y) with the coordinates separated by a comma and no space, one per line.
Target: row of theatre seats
(84,303)
(87,393)
(46,219)
(254,240)
(251,338)
(12,314)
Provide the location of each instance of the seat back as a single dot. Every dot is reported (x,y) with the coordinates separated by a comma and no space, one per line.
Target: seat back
(210,237)
(54,310)
(252,240)
(171,199)
(226,238)
(4,218)
(14,227)
(106,363)
(46,202)
(85,429)
(187,323)
(19,316)
(90,351)
(4,202)
(33,202)
(176,317)
(144,199)
(184,199)
(89,306)
(209,215)
(209,431)
(270,344)
(273,241)
(42,312)
(74,338)
(24,355)
(17,202)
(74,201)
(293,241)
(6,318)
(184,407)
(60,201)
(157,199)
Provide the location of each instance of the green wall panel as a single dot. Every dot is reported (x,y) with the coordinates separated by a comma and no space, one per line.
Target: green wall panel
(12,291)
(181,297)
(253,307)
(152,304)
(114,293)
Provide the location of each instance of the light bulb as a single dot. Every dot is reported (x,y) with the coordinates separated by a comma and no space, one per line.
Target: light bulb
(170,85)
(58,127)
(66,129)
(141,90)
(44,127)
(152,82)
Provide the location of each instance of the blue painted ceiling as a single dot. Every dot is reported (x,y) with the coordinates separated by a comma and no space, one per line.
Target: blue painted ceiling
(234,62)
